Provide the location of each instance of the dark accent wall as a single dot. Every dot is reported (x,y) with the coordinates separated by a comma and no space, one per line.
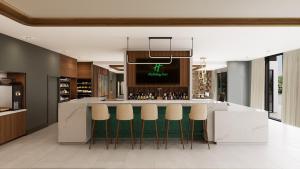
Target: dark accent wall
(239,82)
(38,63)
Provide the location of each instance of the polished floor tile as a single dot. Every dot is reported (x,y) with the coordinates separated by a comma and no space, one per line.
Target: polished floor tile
(41,150)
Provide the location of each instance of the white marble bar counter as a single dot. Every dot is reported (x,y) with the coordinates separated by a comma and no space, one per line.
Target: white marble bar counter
(93,100)
(12,112)
(74,123)
(241,124)
(227,122)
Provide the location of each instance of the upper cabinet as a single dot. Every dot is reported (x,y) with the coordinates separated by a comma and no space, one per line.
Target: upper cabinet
(85,70)
(68,67)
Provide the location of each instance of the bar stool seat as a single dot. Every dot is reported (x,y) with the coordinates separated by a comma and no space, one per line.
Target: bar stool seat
(124,113)
(99,113)
(173,113)
(198,113)
(149,112)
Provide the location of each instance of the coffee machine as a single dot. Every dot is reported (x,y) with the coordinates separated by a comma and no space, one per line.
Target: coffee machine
(17,96)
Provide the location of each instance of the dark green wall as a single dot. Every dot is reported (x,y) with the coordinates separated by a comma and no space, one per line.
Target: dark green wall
(38,63)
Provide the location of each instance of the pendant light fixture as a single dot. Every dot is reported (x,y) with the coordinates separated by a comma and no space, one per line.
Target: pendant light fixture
(170,40)
(147,63)
(159,57)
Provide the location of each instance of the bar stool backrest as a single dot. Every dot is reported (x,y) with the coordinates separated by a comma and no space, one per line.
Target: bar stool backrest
(174,112)
(198,112)
(100,112)
(149,112)
(124,112)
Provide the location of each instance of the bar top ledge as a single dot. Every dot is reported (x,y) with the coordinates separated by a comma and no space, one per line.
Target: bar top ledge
(93,100)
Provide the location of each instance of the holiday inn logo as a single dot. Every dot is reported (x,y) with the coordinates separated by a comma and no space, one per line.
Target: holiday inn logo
(156,71)
(156,67)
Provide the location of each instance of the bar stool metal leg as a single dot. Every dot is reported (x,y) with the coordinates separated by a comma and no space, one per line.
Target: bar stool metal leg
(142,133)
(157,136)
(192,134)
(92,133)
(131,133)
(106,134)
(180,123)
(110,131)
(206,135)
(165,129)
(189,132)
(167,132)
(117,134)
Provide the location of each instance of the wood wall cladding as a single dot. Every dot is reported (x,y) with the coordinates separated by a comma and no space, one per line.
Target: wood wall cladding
(68,67)
(95,80)
(73,88)
(199,87)
(84,70)
(20,78)
(98,72)
(12,126)
(184,67)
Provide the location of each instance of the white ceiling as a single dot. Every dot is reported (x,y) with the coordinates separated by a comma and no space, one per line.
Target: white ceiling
(105,45)
(157,8)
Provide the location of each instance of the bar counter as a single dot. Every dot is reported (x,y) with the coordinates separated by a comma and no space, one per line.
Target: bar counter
(74,118)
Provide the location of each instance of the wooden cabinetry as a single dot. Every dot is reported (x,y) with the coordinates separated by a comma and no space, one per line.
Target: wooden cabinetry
(12,126)
(100,81)
(84,70)
(84,80)
(68,67)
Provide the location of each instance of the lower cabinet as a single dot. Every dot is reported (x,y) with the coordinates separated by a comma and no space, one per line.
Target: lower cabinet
(12,126)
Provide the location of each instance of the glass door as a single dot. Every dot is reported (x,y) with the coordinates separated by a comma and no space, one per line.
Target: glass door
(273,86)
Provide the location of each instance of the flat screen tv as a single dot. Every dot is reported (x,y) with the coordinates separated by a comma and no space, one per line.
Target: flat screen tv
(157,73)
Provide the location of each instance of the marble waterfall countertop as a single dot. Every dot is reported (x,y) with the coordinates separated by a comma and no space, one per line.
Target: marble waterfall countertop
(74,119)
(93,100)
(226,122)
(241,124)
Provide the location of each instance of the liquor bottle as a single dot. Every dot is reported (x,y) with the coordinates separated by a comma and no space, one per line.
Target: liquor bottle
(165,97)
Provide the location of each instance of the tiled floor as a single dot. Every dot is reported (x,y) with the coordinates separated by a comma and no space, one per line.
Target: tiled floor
(40,150)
